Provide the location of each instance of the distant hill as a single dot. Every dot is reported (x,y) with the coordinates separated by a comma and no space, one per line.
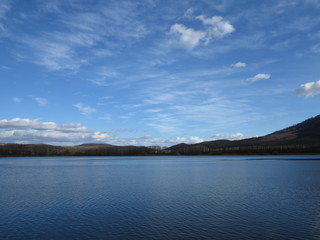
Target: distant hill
(309,129)
(80,150)
(302,138)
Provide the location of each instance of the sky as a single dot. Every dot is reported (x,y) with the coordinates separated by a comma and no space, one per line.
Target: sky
(156,72)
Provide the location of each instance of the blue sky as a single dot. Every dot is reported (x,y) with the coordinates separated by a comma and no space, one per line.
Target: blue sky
(156,72)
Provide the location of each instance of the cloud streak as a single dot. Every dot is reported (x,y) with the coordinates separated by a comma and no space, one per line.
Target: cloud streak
(79,35)
(177,101)
(4,8)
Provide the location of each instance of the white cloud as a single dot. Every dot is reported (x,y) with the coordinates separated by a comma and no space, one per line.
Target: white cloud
(24,130)
(309,89)
(214,28)
(218,28)
(239,65)
(189,140)
(259,77)
(85,109)
(41,101)
(100,136)
(51,137)
(25,123)
(235,136)
(187,37)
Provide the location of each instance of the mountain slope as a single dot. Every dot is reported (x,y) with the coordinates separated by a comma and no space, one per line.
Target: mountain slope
(309,129)
(300,138)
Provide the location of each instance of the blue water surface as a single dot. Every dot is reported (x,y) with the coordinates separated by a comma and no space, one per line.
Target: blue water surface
(172,197)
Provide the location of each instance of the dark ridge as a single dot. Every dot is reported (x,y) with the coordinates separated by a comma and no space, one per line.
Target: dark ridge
(302,138)
(309,128)
(20,150)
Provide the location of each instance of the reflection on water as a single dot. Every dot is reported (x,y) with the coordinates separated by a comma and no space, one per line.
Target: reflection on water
(160,198)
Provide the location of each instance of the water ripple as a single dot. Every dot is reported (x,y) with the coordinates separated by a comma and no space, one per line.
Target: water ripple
(192,198)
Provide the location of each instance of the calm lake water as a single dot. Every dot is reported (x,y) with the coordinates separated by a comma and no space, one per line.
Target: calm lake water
(206,197)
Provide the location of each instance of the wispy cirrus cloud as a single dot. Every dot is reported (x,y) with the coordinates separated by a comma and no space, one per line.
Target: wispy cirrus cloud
(309,89)
(177,101)
(4,68)
(105,77)
(53,55)
(41,101)
(79,35)
(4,8)
(85,109)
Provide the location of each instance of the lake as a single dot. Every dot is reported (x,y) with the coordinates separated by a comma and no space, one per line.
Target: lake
(170,197)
